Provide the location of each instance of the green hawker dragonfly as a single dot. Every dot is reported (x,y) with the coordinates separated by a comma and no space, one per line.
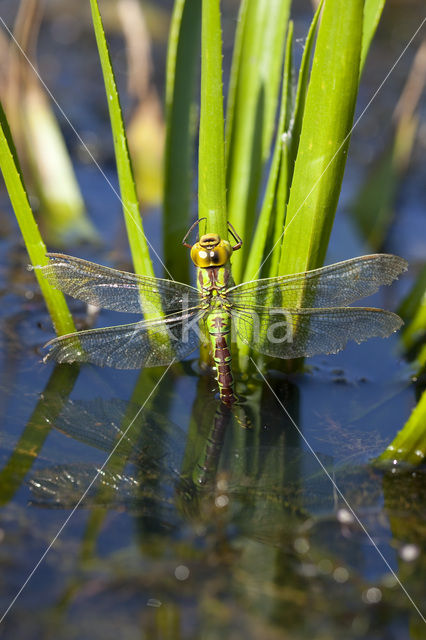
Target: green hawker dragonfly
(286,317)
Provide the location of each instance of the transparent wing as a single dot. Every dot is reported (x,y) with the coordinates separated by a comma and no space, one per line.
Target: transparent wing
(131,346)
(283,333)
(336,285)
(145,436)
(89,422)
(71,485)
(116,290)
(64,486)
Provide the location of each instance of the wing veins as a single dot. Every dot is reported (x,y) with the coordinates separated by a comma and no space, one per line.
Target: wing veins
(315,331)
(334,285)
(113,289)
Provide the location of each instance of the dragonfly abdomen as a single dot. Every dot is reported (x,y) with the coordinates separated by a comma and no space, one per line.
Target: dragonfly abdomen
(219,328)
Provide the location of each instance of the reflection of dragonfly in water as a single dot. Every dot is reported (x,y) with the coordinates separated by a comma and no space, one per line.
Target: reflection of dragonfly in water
(286,316)
(145,465)
(155,470)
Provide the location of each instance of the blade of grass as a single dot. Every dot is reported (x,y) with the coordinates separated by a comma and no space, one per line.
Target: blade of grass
(415,298)
(55,301)
(409,445)
(138,244)
(283,188)
(234,76)
(295,123)
(372,12)
(211,159)
(322,153)
(251,114)
(265,218)
(415,329)
(291,140)
(421,357)
(257,250)
(413,311)
(182,62)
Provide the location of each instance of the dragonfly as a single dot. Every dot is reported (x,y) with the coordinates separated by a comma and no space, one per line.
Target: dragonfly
(291,316)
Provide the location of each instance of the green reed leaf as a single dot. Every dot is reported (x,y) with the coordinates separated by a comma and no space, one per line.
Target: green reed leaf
(291,138)
(138,244)
(55,301)
(372,12)
(211,160)
(182,64)
(409,445)
(324,140)
(252,108)
(257,250)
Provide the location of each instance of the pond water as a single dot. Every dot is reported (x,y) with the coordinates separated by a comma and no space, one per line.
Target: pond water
(133,507)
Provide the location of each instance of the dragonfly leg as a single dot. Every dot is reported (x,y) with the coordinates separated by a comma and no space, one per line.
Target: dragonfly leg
(236,237)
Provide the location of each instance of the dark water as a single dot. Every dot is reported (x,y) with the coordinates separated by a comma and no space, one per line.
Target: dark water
(164,518)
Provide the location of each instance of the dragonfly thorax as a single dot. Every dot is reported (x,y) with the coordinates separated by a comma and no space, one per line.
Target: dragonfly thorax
(211,251)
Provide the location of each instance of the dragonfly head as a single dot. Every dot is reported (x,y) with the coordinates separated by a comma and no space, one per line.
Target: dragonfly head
(211,251)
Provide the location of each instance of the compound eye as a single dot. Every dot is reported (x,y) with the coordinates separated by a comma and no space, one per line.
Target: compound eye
(200,257)
(203,258)
(218,256)
(212,257)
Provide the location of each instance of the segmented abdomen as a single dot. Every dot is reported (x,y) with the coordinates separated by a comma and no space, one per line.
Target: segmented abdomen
(219,327)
